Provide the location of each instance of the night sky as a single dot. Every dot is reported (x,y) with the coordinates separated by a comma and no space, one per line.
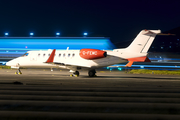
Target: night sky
(119,20)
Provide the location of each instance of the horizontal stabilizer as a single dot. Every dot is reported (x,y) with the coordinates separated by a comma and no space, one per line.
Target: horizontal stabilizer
(139,59)
(129,64)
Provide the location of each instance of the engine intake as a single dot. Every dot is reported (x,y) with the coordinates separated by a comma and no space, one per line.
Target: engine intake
(91,54)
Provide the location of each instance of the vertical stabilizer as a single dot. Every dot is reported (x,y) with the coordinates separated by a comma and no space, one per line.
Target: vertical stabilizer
(143,41)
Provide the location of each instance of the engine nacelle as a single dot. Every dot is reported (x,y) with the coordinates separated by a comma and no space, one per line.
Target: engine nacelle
(91,54)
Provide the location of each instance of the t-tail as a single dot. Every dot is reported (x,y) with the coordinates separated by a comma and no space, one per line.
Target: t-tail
(137,50)
(143,41)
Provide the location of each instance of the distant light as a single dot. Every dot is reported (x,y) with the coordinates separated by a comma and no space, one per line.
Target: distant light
(85,33)
(107,67)
(58,33)
(142,67)
(6,33)
(31,33)
(169,46)
(120,69)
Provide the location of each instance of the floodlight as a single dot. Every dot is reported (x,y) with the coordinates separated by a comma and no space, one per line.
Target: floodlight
(31,34)
(57,33)
(85,33)
(6,34)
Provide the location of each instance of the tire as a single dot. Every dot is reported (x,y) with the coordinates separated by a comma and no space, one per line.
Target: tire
(92,73)
(76,73)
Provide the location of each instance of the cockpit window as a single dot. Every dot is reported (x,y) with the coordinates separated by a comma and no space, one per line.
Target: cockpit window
(26,54)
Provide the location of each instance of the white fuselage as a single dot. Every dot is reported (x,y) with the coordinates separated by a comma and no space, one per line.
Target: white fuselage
(65,59)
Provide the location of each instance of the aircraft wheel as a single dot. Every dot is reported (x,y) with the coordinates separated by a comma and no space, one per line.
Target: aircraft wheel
(92,73)
(20,73)
(76,74)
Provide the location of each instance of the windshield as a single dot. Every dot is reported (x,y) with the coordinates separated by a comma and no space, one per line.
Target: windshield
(26,54)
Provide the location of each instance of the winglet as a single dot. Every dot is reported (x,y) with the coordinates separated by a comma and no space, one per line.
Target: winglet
(51,57)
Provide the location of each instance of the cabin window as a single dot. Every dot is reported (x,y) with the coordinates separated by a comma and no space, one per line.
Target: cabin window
(44,55)
(39,55)
(48,54)
(59,55)
(69,55)
(64,55)
(26,54)
(73,55)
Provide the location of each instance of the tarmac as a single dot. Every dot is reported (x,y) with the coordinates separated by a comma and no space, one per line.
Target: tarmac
(51,95)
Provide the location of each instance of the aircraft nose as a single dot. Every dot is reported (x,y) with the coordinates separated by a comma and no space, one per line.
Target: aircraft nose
(9,63)
(12,63)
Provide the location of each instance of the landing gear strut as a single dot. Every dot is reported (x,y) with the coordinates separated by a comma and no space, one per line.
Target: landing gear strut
(18,72)
(76,74)
(92,73)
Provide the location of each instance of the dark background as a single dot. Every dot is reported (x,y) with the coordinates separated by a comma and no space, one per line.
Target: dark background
(119,20)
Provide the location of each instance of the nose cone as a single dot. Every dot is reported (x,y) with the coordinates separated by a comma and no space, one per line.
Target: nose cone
(9,63)
(13,62)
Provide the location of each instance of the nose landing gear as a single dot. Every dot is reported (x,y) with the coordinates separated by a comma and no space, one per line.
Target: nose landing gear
(75,74)
(18,69)
(18,72)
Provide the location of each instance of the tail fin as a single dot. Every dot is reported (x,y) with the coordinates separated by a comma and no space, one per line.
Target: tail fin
(143,41)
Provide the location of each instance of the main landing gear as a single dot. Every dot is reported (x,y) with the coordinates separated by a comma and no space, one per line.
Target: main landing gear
(92,73)
(75,74)
(18,72)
